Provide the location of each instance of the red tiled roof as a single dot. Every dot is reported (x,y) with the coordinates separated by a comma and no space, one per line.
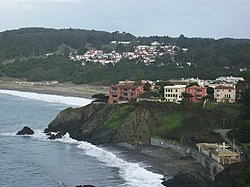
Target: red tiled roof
(224,87)
(195,86)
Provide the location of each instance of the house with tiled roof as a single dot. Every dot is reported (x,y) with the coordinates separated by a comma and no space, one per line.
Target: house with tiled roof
(224,94)
(124,91)
(197,92)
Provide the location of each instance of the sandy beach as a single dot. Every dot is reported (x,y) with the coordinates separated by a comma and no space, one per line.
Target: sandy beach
(65,89)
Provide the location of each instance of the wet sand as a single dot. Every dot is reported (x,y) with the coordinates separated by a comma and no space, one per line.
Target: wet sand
(65,89)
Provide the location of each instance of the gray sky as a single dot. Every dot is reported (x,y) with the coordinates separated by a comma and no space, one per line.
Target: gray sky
(193,18)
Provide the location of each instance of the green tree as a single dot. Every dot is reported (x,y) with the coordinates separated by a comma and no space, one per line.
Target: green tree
(101,97)
(147,86)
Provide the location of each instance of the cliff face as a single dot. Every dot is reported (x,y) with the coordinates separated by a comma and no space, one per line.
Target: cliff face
(135,123)
(101,123)
(83,123)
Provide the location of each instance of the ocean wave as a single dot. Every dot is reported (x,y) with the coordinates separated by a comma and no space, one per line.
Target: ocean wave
(72,101)
(132,173)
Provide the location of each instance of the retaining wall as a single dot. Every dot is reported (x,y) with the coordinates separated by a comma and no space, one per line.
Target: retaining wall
(213,166)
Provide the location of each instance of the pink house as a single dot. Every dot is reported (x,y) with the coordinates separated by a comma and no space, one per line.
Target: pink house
(197,93)
(124,91)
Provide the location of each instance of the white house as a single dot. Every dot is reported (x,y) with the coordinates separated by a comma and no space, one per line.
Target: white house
(174,93)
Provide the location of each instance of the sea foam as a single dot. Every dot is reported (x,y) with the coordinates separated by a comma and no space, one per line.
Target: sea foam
(71,101)
(132,173)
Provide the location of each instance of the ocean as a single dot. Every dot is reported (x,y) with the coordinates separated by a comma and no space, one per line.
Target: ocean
(35,161)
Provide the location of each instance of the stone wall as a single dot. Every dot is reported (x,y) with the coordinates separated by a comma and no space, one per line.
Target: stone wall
(213,166)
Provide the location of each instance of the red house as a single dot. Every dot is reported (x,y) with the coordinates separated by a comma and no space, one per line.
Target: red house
(124,92)
(197,93)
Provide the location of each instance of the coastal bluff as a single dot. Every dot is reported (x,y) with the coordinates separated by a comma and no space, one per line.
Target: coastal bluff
(102,123)
(136,123)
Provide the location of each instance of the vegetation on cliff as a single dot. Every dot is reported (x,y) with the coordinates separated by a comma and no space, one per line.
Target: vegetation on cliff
(137,122)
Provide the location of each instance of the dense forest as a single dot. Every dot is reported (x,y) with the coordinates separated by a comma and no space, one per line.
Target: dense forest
(23,54)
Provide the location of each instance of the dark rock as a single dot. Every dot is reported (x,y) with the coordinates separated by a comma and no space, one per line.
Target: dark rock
(82,123)
(25,131)
(187,179)
(55,136)
(87,185)
(237,174)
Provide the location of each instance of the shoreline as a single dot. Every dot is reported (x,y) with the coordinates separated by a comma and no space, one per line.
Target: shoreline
(63,89)
(160,160)
(157,159)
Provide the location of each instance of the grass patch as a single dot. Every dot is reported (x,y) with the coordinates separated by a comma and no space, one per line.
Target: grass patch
(169,122)
(118,117)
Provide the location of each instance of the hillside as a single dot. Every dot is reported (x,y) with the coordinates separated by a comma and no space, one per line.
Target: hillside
(40,54)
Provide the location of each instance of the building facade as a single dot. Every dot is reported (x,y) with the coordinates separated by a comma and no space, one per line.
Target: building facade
(125,91)
(174,93)
(197,93)
(223,94)
(219,153)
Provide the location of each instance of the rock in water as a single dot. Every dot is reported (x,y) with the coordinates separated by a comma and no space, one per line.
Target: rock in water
(25,131)
(55,136)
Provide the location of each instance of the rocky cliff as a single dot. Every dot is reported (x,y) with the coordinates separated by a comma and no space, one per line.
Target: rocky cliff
(101,123)
(135,123)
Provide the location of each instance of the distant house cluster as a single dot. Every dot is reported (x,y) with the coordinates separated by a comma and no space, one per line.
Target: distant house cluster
(148,54)
(145,53)
(98,56)
(224,90)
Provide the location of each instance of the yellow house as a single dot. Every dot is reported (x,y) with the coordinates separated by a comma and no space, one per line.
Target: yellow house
(174,93)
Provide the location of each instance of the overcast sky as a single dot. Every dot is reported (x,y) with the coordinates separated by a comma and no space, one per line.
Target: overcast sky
(193,18)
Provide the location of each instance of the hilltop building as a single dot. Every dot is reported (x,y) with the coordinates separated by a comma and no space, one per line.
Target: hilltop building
(197,93)
(174,93)
(124,91)
(224,94)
